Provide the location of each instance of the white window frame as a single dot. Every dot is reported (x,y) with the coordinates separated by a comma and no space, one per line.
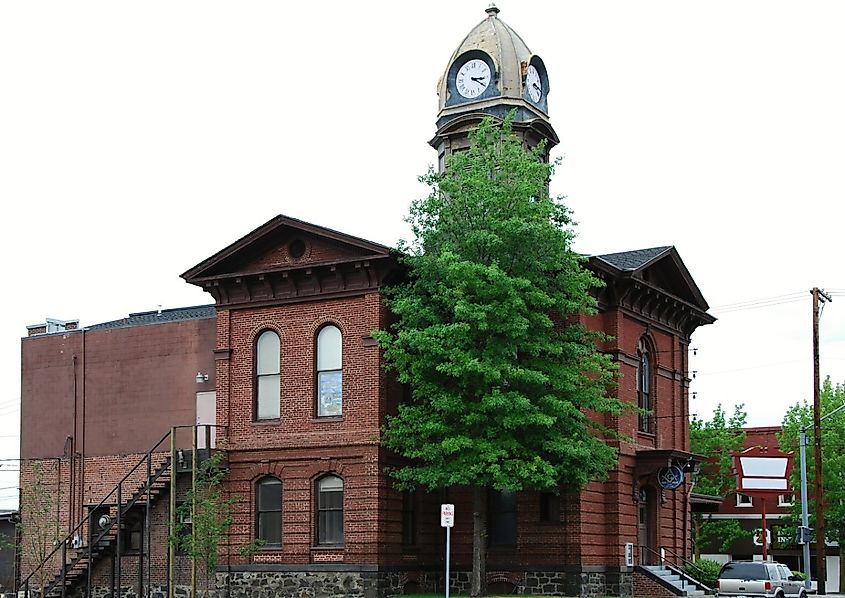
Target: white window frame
(743,504)
(783,502)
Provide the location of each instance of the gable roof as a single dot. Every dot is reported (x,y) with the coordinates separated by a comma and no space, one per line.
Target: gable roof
(657,267)
(229,260)
(632,260)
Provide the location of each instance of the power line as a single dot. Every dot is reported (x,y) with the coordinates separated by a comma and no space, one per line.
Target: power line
(756,305)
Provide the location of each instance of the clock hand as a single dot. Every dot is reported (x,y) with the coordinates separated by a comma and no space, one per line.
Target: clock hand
(478,79)
(537,87)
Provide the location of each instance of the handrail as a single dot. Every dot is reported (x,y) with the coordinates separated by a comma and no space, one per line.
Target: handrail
(674,566)
(78,528)
(94,541)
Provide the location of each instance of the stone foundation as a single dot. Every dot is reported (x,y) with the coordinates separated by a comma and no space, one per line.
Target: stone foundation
(384,584)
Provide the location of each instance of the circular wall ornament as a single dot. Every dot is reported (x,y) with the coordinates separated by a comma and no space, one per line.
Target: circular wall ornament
(670,477)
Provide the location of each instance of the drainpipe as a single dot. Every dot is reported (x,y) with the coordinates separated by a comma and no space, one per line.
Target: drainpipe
(82,450)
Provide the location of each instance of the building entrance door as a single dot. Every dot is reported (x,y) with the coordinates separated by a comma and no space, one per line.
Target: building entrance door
(206,417)
(647,526)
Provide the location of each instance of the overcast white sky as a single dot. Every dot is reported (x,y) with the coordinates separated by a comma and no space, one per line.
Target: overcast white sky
(137,139)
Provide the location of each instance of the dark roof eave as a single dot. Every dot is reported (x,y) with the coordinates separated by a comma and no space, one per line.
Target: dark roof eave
(321,264)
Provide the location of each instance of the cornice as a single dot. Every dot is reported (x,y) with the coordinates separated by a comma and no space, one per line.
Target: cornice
(306,283)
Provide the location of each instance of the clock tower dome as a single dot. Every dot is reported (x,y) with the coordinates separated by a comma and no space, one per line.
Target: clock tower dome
(491,73)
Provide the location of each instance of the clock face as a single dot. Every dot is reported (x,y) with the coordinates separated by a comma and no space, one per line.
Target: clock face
(533,84)
(473,78)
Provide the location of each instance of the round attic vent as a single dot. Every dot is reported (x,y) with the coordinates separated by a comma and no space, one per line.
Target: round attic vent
(296,249)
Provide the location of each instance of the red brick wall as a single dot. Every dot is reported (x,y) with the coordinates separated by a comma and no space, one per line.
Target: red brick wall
(129,386)
(645,586)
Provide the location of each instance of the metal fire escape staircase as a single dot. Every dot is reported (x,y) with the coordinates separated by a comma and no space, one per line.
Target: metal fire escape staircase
(103,526)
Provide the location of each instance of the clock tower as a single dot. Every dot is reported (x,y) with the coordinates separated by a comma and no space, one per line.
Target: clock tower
(491,73)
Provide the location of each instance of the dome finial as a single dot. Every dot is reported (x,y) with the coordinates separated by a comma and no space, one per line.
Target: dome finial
(492,10)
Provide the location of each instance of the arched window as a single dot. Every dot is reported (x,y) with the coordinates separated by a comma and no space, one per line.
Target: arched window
(645,400)
(268,509)
(267,375)
(330,510)
(329,372)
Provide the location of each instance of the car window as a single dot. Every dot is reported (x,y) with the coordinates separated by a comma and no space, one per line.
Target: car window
(785,573)
(743,571)
(774,572)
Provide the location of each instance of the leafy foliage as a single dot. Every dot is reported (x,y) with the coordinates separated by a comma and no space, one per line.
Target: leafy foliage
(716,439)
(501,374)
(203,520)
(833,458)
(704,570)
(37,527)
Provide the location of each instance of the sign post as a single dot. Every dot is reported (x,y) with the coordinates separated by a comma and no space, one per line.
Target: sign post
(762,472)
(447,520)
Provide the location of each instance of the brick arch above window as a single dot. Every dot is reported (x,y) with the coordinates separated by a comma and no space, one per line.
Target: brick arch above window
(318,469)
(274,469)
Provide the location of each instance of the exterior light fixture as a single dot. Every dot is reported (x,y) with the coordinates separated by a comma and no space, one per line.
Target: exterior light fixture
(201,377)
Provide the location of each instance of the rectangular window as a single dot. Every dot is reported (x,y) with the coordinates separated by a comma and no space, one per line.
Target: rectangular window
(131,536)
(787,500)
(409,518)
(331,393)
(744,500)
(549,507)
(502,509)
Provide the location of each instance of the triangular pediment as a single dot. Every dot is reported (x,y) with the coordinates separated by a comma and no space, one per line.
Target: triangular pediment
(283,244)
(660,268)
(287,260)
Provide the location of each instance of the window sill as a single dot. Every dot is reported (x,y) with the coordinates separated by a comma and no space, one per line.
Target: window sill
(327,418)
(270,548)
(328,547)
(267,422)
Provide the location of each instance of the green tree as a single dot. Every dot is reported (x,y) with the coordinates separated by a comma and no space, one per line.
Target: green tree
(38,526)
(205,517)
(717,439)
(501,373)
(833,462)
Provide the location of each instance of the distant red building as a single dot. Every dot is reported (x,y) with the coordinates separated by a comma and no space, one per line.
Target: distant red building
(748,510)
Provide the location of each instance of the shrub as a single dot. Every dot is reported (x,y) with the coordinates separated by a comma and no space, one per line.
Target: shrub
(704,570)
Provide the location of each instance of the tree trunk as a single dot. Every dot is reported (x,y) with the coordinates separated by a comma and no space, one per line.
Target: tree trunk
(478,582)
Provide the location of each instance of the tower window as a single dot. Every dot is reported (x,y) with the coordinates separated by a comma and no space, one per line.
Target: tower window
(329,372)
(267,375)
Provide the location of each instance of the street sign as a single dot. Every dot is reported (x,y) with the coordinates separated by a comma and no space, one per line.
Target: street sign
(447,515)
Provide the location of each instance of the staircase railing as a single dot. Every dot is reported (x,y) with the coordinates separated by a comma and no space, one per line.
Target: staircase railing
(673,565)
(97,540)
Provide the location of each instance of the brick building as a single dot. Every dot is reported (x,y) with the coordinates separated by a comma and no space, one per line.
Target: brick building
(747,510)
(284,365)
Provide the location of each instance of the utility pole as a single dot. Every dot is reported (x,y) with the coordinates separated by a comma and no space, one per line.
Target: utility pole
(821,549)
